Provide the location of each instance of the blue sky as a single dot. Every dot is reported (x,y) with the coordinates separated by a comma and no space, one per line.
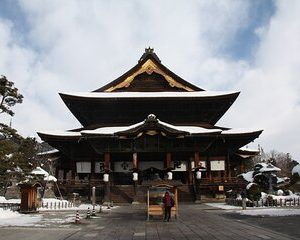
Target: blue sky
(56,46)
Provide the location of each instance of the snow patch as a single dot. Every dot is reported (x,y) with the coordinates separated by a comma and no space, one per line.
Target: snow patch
(296,169)
(248,176)
(10,218)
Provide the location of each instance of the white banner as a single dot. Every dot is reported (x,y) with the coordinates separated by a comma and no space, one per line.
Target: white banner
(99,167)
(179,166)
(200,164)
(217,165)
(83,167)
(124,166)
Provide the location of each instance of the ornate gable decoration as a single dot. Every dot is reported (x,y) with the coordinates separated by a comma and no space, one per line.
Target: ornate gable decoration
(149,67)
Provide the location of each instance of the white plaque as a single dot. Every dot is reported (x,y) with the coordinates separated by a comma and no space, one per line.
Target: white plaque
(217,165)
(83,167)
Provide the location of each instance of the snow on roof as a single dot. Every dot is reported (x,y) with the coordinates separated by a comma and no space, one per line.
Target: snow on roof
(249,149)
(111,130)
(61,133)
(267,167)
(250,185)
(148,94)
(296,169)
(48,152)
(239,131)
(50,178)
(282,180)
(248,176)
(190,129)
(39,171)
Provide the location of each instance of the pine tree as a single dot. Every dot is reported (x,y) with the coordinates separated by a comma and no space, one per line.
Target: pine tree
(9,96)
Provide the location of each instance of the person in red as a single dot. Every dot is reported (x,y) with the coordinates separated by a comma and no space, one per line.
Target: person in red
(168,204)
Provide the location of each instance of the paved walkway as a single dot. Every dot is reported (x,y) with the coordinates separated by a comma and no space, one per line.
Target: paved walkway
(128,222)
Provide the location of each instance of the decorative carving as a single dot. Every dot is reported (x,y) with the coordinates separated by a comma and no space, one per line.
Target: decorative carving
(149,67)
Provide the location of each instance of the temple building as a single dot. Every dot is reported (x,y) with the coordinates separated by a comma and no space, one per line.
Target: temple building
(149,124)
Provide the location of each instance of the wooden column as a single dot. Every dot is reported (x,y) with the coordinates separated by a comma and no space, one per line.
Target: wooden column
(134,161)
(190,173)
(209,169)
(242,167)
(229,167)
(107,159)
(196,159)
(168,160)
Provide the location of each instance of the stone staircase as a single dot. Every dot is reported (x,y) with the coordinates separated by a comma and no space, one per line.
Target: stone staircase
(122,194)
(186,193)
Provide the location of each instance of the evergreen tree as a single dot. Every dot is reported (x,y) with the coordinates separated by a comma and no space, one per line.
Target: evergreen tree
(9,96)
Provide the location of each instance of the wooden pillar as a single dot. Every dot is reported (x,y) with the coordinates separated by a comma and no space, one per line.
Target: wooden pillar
(134,161)
(106,161)
(196,159)
(209,169)
(168,160)
(190,173)
(242,167)
(229,167)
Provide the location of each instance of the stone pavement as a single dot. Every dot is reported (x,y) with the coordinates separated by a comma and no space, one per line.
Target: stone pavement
(129,222)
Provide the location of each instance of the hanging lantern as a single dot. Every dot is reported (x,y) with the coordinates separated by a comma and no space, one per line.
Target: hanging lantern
(198,174)
(135,176)
(106,177)
(170,175)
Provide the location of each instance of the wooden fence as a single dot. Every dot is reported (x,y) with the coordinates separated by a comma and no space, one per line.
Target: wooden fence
(292,202)
(57,205)
(11,206)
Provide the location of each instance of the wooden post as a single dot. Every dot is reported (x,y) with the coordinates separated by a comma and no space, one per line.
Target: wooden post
(107,161)
(134,161)
(168,160)
(242,167)
(148,203)
(176,201)
(196,159)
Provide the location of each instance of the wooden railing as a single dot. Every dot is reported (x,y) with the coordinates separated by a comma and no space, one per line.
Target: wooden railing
(222,180)
(11,206)
(215,180)
(292,202)
(81,181)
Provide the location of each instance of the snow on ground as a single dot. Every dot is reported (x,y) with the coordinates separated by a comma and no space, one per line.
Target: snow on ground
(270,212)
(222,206)
(257,211)
(10,218)
(47,217)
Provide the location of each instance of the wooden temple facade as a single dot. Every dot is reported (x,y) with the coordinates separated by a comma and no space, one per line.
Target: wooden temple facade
(149,124)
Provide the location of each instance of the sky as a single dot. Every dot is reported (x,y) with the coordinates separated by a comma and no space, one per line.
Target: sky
(53,46)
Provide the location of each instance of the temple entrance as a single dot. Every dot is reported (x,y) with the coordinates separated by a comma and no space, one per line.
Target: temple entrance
(152,173)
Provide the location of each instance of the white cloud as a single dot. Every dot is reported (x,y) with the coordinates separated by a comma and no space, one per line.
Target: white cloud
(82,45)
(270,89)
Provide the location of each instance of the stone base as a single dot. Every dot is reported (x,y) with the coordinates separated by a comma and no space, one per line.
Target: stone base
(198,201)
(135,202)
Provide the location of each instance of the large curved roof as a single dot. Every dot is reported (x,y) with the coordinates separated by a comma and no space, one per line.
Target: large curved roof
(148,87)
(122,108)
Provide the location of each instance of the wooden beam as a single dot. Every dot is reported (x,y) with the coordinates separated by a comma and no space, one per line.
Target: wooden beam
(107,159)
